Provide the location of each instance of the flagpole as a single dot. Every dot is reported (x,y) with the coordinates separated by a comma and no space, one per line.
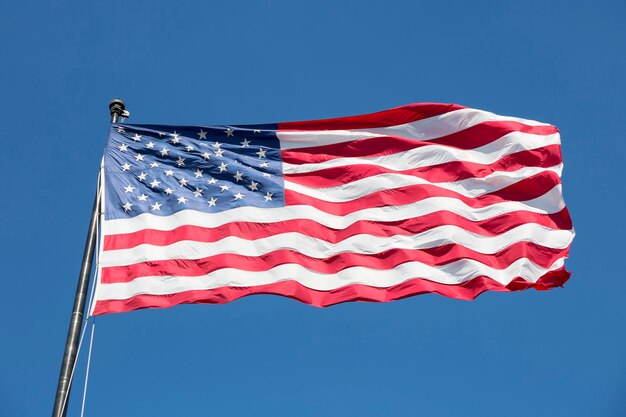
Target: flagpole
(117,109)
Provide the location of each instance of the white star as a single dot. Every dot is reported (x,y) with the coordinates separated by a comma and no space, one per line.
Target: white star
(206,156)
(217,145)
(164,152)
(126,167)
(198,173)
(239,176)
(182,200)
(198,192)
(175,138)
(219,152)
(212,181)
(222,167)
(253,186)
(154,165)
(161,133)
(183,182)
(256,131)
(142,197)
(123,147)
(202,134)
(142,176)
(136,138)
(261,153)
(156,206)
(189,148)
(127,207)
(264,165)
(120,129)
(150,145)
(265,174)
(155,183)
(212,201)
(168,191)
(180,162)
(245,143)
(224,188)
(169,173)
(129,189)
(268,196)
(229,132)
(139,157)
(238,196)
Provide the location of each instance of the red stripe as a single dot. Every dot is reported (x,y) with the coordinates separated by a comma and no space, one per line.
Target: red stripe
(548,156)
(392,117)
(308,227)
(441,255)
(355,292)
(524,190)
(470,138)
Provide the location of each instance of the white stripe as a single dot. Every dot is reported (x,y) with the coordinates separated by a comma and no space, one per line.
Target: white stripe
(452,273)
(425,129)
(361,243)
(470,187)
(438,154)
(550,202)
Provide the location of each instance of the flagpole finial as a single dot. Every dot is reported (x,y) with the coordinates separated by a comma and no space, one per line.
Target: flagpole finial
(118,109)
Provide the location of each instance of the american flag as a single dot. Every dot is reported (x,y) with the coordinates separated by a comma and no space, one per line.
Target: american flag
(422,198)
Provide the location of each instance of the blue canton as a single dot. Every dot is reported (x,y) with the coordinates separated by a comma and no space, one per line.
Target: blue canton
(165,169)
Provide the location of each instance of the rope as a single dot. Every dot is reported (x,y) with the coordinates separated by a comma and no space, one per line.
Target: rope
(80,344)
(97,260)
(86,320)
(93,331)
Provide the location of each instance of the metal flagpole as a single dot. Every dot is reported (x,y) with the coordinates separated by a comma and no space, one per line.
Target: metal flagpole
(64,385)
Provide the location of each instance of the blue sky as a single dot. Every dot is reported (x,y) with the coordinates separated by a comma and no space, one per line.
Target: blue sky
(556,353)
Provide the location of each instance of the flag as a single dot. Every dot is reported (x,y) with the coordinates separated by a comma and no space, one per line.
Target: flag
(424,198)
